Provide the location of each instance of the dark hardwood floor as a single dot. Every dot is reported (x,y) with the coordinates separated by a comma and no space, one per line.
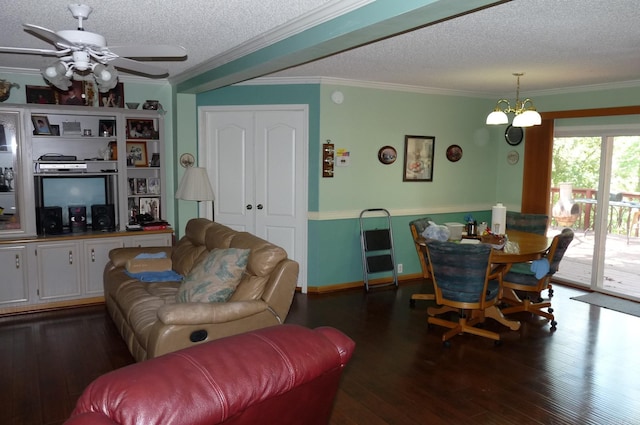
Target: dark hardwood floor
(584,373)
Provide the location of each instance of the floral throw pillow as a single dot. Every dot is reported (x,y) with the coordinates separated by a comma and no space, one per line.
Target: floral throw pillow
(216,278)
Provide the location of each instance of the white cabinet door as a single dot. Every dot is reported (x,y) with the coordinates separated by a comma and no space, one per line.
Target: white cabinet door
(96,256)
(59,270)
(14,285)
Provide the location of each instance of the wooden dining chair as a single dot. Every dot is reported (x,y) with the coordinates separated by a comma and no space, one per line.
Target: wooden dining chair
(519,277)
(526,222)
(464,283)
(417,227)
(532,223)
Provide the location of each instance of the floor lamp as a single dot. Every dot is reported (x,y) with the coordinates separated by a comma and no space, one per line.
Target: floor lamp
(195,184)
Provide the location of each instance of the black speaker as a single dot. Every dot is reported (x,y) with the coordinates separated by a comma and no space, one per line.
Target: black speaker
(49,220)
(103,217)
(78,218)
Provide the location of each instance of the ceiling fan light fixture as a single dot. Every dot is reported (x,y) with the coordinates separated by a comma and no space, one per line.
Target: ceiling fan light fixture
(59,75)
(106,77)
(525,113)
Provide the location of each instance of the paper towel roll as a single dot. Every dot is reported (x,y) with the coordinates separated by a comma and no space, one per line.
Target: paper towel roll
(498,219)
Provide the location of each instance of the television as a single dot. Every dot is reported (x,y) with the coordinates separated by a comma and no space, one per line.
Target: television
(66,191)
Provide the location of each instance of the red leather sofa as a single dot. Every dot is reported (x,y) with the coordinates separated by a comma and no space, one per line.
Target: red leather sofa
(285,374)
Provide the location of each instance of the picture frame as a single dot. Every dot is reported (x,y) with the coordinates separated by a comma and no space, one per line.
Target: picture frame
(74,96)
(153,186)
(132,187)
(107,128)
(41,125)
(142,129)
(44,95)
(55,129)
(418,158)
(155,160)
(114,98)
(137,152)
(4,147)
(141,186)
(151,206)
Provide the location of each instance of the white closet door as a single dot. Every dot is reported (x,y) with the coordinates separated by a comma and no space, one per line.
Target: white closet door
(257,161)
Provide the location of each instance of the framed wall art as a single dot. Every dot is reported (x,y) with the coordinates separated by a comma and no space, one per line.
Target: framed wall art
(137,153)
(151,206)
(41,125)
(418,158)
(114,98)
(44,95)
(141,129)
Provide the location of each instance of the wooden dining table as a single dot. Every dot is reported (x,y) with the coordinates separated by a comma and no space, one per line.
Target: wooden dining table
(531,247)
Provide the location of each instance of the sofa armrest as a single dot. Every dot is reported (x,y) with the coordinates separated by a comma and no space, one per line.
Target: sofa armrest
(120,256)
(208,313)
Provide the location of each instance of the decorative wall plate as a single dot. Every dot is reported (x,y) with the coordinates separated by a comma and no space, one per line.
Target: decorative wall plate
(513,135)
(387,155)
(454,153)
(187,160)
(513,157)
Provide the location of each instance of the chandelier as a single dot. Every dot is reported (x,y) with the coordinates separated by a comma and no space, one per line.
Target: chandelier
(525,113)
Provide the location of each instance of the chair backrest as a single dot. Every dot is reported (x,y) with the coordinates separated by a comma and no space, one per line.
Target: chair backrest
(558,247)
(532,223)
(460,271)
(417,227)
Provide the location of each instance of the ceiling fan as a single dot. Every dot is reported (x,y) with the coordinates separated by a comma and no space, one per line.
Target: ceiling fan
(83,52)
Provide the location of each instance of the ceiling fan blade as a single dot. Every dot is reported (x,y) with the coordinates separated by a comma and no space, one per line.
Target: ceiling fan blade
(43,52)
(48,35)
(139,67)
(153,51)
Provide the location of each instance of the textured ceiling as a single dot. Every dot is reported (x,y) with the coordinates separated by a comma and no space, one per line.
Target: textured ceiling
(557,44)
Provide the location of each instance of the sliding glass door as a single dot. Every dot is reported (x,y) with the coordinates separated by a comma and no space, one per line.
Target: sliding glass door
(602,171)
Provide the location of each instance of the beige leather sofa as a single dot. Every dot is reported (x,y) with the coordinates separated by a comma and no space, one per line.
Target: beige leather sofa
(152,323)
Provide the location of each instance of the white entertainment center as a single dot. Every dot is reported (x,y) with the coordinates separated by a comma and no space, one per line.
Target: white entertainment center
(81,176)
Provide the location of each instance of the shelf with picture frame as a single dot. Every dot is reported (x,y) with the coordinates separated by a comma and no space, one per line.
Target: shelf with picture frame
(145,182)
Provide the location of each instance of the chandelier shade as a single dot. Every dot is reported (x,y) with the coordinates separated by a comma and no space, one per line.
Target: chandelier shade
(524,111)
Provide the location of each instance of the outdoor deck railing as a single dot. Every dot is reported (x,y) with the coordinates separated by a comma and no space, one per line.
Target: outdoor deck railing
(624,210)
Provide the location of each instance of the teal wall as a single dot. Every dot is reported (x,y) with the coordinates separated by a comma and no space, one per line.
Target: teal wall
(368,119)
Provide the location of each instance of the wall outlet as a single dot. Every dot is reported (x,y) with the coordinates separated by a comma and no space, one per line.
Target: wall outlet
(400,268)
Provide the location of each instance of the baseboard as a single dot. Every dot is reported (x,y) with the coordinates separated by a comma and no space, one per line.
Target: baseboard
(33,308)
(360,284)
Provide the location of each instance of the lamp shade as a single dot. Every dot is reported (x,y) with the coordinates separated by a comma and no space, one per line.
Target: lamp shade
(527,119)
(195,185)
(497,117)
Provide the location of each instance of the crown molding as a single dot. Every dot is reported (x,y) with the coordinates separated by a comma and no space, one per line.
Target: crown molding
(306,21)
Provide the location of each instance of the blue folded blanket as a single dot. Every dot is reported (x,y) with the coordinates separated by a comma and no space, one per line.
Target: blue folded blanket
(152,255)
(540,267)
(166,276)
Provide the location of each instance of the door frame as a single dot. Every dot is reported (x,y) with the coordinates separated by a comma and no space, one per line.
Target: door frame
(206,209)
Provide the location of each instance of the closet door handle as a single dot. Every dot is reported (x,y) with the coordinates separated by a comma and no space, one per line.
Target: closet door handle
(259,206)
(249,207)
